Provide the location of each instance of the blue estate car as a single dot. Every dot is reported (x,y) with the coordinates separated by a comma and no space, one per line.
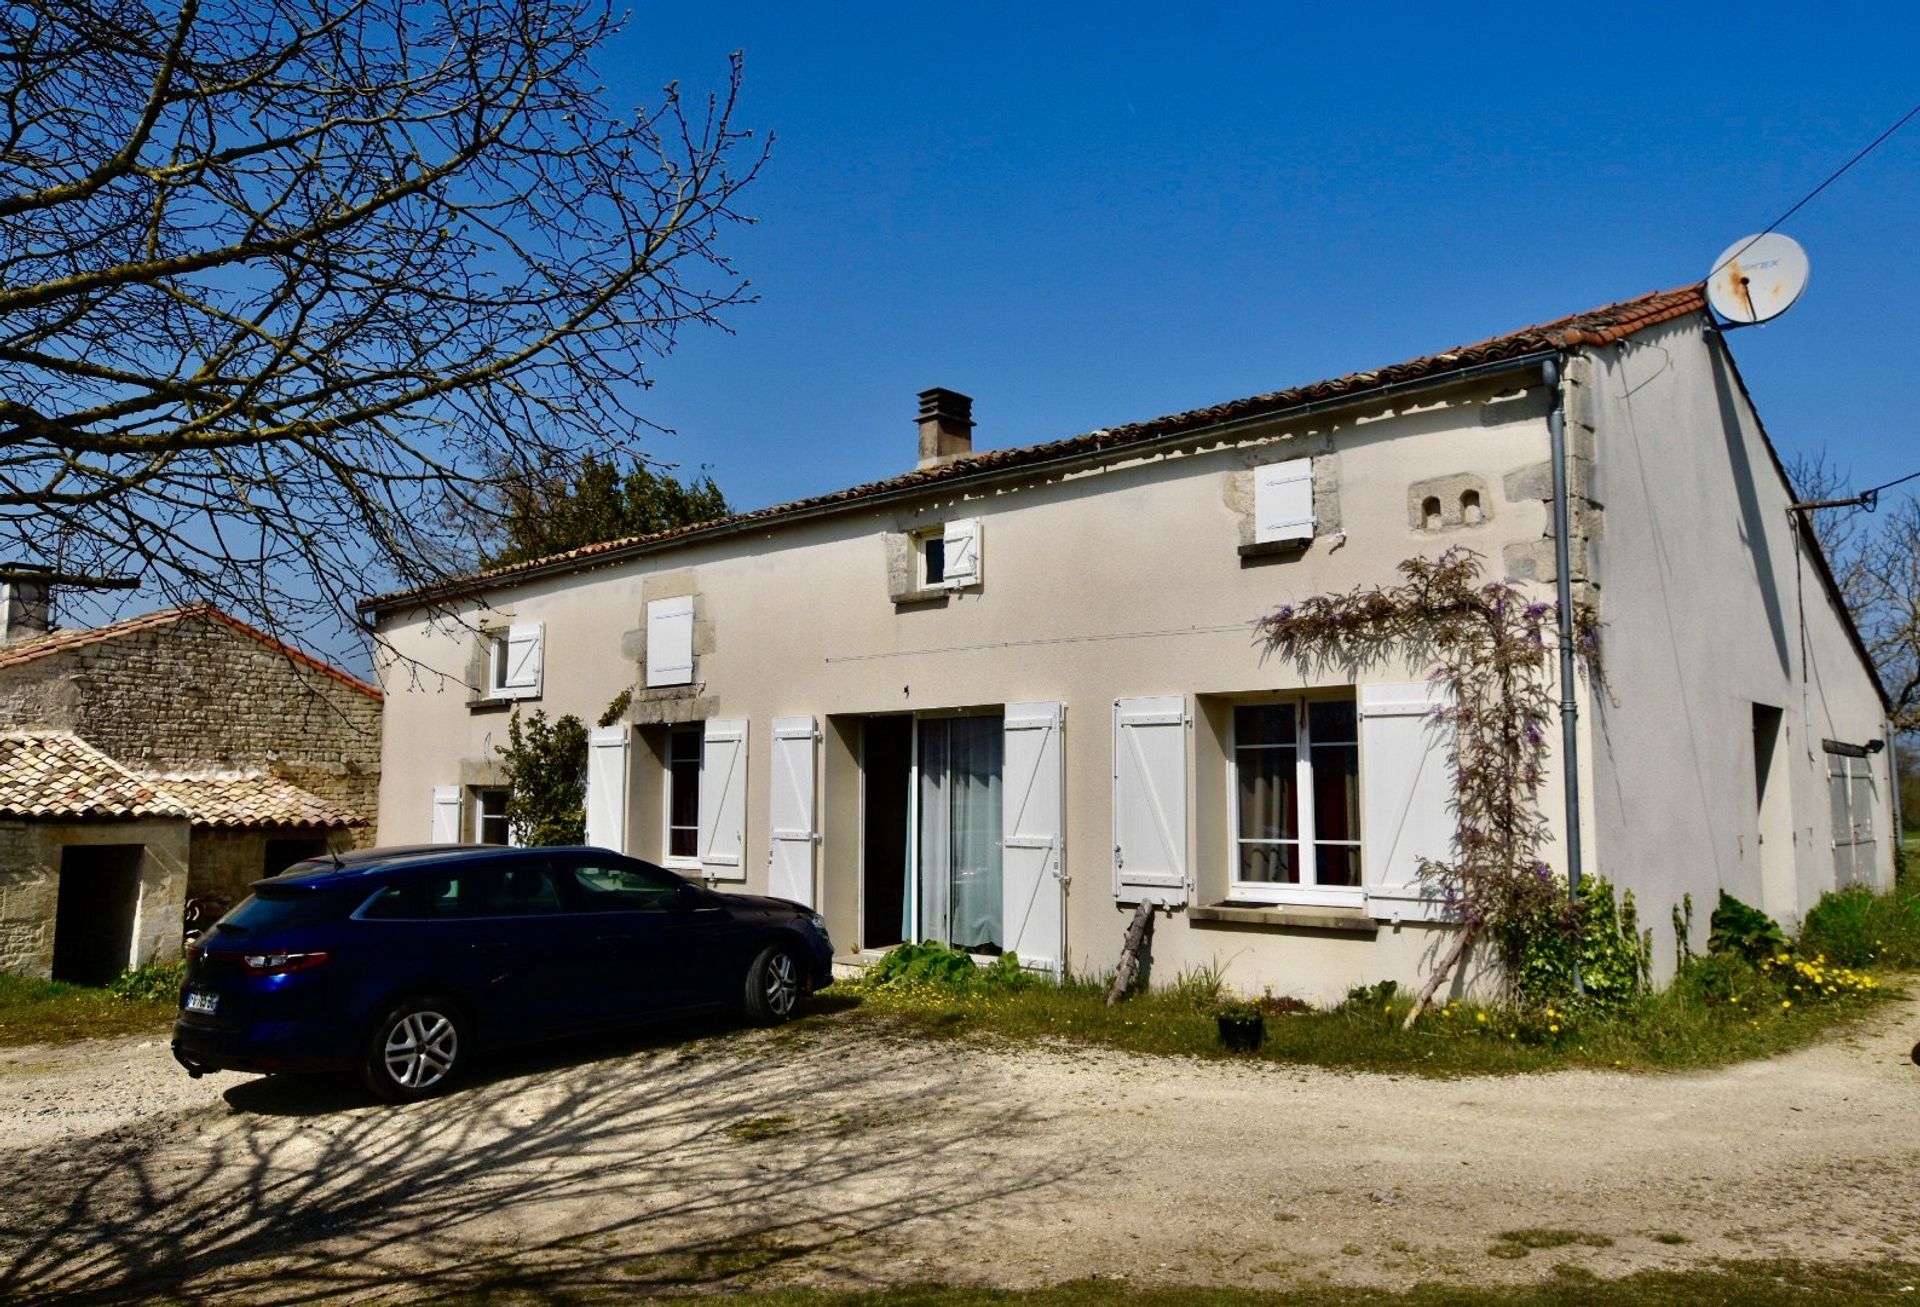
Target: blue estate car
(401,963)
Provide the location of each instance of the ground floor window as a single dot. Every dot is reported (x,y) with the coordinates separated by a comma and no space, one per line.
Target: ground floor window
(490,816)
(685,746)
(1296,791)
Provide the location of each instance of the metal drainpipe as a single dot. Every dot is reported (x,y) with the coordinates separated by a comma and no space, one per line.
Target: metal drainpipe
(1893,790)
(1563,587)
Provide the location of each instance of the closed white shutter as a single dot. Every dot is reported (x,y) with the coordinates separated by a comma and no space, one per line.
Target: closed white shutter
(607,788)
(790,810)
(446,814)
(1283,501)
(521,670)
(723,800)
(1150,800)
(1406,797)
(1032,793)
(670,641)
(962,540)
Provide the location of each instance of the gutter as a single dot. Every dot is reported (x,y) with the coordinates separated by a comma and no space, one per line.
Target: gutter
(1065,462)
(1563,593)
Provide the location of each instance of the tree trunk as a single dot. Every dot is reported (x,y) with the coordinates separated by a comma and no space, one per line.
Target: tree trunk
(1440,974)
(1139,933)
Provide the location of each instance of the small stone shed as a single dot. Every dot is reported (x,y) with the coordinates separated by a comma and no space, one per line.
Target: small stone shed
(175,756)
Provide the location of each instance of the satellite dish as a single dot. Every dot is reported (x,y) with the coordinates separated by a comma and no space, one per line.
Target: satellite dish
(1757,279)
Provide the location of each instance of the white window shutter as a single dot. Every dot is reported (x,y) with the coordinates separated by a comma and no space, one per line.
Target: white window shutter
(962,538)
(1150,799)
(607,788)
(1283,501)
(520,678)
(723,800)
(791,810)
(1033,835)
(1406,797)
(670,641)
(446,814)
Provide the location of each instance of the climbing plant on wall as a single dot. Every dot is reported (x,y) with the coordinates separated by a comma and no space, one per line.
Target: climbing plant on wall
(1489,645)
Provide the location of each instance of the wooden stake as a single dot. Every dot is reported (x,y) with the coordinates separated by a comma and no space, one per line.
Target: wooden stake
(1440,974)
(1139,931)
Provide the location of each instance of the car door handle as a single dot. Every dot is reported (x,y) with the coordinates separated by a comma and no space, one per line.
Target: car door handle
(613,939)
(491,948)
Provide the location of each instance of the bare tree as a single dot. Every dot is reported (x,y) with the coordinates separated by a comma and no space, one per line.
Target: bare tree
(282,280)
(1875,557)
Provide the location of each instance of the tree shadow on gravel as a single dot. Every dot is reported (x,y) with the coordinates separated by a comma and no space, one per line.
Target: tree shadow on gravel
(676,1159)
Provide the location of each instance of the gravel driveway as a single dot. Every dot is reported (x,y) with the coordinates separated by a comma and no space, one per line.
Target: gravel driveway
(821,1154)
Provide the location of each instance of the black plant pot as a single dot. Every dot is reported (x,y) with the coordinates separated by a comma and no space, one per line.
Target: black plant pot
(1242,1034)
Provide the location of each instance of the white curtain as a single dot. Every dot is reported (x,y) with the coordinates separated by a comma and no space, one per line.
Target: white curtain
(960,898)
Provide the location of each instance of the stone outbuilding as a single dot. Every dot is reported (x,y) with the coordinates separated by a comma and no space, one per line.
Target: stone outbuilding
(175,756)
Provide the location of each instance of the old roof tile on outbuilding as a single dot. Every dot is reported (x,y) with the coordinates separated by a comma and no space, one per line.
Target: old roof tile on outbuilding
(57,774)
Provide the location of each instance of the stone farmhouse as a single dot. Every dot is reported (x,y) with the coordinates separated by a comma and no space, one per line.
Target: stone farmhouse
(176,755)
(1002,698)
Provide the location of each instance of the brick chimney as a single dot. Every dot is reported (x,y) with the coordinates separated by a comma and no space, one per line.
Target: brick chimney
(946,427)
(24,610)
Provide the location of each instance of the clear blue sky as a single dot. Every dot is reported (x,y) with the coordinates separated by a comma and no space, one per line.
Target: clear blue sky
(1089,214)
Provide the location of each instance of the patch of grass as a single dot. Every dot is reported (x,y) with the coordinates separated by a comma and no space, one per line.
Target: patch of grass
(1735,1017)
(1858,928)
(1670,1237)
(755,1128)
(53,1012)
(1534,1237)
(1759,1283)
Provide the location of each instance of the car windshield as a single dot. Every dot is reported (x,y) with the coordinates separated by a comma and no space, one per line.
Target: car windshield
(283,907)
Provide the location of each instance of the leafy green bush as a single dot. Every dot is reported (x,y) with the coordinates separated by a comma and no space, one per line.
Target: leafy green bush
(1614,956)
(1856,928)
(1746,931)
(948,968)
(156,982)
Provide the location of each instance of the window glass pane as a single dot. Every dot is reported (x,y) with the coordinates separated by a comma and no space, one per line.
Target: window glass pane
(1333,722)
(1336,792)
(401,900)
(1336,864)
(1271,723)
(626,889)
(1269,809)
(935,549)
(1272,864)
(492,806)
(493,892)
(683,793)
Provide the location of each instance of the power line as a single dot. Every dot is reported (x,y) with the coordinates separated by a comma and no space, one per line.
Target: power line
(1835,176)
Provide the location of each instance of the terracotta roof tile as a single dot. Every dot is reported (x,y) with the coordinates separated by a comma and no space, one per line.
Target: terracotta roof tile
(60,641)
(1601,326)
(251,799)
(57,774)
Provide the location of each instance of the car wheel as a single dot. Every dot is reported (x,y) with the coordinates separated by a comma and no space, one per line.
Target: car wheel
(774,987)
(416,1050)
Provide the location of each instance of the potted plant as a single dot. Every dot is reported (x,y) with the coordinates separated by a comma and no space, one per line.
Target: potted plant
(1242,1024)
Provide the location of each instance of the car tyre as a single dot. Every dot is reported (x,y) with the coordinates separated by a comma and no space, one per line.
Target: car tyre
(774,986)
(418,1048)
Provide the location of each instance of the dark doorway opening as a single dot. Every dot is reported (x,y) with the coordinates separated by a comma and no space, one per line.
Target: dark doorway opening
(282,854)
(93,919)
(887,771)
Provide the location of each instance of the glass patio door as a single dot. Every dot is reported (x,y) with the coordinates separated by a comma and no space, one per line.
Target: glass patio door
(959,832)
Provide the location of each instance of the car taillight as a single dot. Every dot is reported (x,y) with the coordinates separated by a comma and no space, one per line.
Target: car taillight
(273,964)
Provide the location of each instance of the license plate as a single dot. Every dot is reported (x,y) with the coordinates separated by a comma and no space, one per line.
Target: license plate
(198,1001)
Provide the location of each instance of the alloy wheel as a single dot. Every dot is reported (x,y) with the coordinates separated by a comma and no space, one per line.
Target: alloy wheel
(421,1048)
(783,985)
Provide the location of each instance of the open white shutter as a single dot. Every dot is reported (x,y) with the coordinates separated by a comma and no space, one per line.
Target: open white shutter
(790,810)
(670,641)
(520,677)
(723,800)
(1283,501)
(607,788)
(1150,799)
(1032,793)
(962,540)
(446,814)
(1406,794)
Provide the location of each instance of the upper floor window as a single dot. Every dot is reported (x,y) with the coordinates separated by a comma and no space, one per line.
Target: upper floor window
(1296,810)
(514,659)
